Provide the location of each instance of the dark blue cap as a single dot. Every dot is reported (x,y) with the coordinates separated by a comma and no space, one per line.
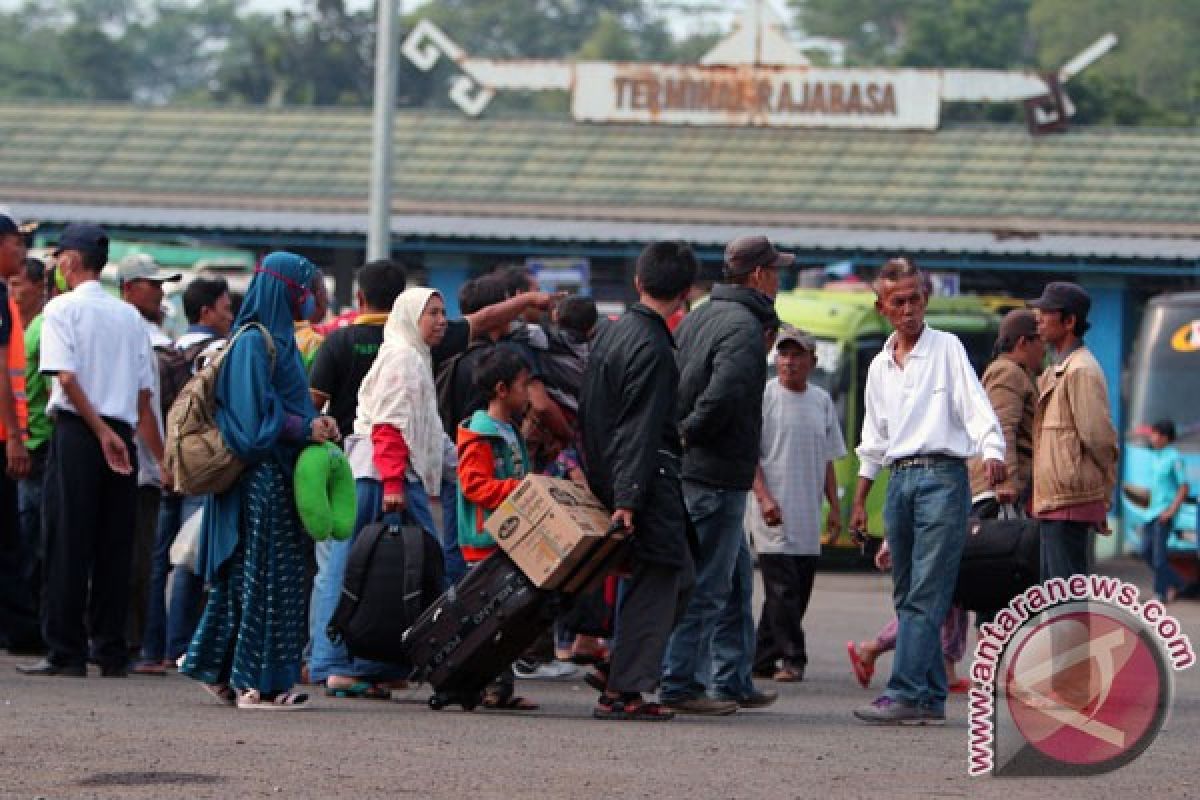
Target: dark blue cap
(8,224)
(84,238)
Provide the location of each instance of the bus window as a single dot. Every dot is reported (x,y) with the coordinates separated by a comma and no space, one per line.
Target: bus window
(1166,372)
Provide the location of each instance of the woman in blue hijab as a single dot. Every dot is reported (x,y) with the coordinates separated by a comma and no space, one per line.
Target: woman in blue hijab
(247,648)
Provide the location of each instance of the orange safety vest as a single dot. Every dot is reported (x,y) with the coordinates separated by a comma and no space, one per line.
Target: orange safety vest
(16,371)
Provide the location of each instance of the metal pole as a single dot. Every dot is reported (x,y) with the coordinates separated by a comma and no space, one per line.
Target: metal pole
(379,230)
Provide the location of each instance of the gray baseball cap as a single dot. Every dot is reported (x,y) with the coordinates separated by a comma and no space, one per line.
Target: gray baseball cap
(141,267)
(790,333)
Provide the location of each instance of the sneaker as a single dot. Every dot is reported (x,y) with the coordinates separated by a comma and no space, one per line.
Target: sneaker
(552,671)
(703,706)
(932,716)
(889,711)
(755,699)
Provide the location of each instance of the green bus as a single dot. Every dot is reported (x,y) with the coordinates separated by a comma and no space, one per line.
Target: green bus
(850,333)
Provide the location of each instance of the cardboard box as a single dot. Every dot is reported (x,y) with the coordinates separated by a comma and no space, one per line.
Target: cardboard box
(549,527)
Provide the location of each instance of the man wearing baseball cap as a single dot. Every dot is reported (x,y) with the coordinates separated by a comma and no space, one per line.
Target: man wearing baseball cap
(142,281)
(722,372)
(1074,441)
(97,351)
(18,623)
(800,441)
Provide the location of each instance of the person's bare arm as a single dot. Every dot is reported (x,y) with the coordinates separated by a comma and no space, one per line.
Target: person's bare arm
(113,446)
(771,513)
(833,520)
(500,314)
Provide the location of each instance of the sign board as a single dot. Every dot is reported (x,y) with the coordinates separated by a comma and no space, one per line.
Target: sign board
(749,95)
(572,275)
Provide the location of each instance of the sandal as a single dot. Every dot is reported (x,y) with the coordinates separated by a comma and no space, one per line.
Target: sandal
(253,700)
(787,674)
(224,694)
(494,701)
(631,707)
(364,690)
(862,670)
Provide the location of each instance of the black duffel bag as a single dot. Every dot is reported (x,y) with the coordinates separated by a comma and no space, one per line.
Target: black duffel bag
(1001,559)
(393,573)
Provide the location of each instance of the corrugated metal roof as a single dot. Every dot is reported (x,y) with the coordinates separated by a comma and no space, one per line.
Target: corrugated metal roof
(1106,192)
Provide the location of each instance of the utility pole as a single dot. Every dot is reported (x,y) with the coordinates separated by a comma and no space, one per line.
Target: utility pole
(379,230)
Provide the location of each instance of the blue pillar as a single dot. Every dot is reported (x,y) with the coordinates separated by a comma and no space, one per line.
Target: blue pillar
(1106,339)
(446,274)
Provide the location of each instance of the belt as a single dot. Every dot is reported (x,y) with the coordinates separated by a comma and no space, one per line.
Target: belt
(924,460)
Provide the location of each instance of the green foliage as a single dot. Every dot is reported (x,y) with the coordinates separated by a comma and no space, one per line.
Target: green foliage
(204,51)
(1152,78)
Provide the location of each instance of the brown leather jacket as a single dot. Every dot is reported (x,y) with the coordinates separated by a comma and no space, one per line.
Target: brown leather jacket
(1074,442)
(1013,396)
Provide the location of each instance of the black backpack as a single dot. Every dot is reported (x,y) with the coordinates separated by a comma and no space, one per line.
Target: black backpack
(175,368)
(393,573)
(450,405)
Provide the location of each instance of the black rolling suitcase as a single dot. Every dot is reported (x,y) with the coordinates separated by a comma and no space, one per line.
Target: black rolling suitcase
(477,629)
(1001,559)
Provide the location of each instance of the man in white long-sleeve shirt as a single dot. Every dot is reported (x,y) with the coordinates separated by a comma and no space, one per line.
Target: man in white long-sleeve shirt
(926,413)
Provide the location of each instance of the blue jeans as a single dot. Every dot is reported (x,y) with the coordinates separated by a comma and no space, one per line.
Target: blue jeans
(709,640)
(1154,550)
(925,517)
(456,565)
(169,626)
(327,657)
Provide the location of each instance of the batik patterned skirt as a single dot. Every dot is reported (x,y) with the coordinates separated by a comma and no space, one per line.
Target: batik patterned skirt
(254,627)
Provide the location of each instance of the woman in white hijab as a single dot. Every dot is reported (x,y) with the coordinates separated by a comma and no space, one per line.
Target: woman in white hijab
(396,453)
(397,402)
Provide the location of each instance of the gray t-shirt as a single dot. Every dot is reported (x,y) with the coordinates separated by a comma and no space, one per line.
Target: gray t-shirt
(800,436)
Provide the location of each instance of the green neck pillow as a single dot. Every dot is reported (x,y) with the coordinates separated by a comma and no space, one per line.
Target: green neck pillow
(325,497)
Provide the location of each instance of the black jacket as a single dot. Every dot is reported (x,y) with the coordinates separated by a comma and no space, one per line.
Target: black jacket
(630,438)
(722,374)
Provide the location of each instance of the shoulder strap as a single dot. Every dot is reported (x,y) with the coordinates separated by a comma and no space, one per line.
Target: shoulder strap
(270,342)
(412,538)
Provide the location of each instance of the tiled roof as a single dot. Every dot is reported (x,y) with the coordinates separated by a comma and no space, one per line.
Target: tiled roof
(1100,181)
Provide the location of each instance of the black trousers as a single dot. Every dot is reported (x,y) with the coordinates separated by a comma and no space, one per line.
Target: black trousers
(788,585)
(653,599)
(18,616)
(90,517)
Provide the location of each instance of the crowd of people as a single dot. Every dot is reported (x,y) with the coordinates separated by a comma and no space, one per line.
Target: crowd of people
(670,418)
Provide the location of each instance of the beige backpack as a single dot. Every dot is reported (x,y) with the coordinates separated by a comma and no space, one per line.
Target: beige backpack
(195,454)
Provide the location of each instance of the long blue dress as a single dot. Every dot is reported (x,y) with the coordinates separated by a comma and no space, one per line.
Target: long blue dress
(252,548)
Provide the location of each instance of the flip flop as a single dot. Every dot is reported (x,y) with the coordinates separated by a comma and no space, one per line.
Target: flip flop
(364,690)
(862,670)
(252,700)
(960,686)
(633,709)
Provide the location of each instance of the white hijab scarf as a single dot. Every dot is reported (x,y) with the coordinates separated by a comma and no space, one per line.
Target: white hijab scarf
(399,389)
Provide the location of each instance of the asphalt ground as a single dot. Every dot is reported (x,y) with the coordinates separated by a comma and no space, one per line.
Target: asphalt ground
(146,737)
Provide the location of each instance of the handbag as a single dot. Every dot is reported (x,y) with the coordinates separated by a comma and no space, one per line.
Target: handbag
(187,542)
(1001,558)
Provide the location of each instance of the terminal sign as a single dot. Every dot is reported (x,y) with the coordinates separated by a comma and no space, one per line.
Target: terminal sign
(788,96)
